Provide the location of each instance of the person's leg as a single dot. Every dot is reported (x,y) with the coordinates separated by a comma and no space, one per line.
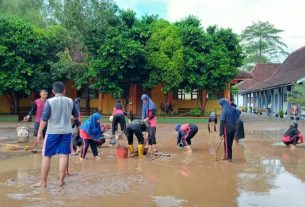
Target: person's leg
(122,123)
(140,138)
(45,167)
(63,165)
(152,139)
(35,141)
(231,128)
(114,124)
(85,148)
(129,132)
(93,147)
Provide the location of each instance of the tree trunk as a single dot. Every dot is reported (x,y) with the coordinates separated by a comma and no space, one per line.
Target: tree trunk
(13,101)
(87,101)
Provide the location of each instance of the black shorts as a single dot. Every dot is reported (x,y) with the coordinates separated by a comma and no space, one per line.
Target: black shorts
(213,119)
(36,127)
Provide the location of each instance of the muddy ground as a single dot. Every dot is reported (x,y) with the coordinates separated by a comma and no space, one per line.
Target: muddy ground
(263,173)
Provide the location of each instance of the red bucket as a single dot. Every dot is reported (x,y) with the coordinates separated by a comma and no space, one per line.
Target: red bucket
(122,152)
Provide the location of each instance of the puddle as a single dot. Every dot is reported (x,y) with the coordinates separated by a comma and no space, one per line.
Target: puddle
(168,201)
(263,173)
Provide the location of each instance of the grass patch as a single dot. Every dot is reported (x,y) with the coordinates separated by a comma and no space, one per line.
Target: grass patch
(8,118)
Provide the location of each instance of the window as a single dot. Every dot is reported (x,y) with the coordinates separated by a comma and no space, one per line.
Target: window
(92,93)
(182,94)
(214,95)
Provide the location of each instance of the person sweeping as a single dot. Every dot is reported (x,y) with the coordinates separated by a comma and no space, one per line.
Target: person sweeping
(149,111)
(228,119)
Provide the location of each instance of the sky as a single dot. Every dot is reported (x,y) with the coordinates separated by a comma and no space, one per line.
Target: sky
(288,15)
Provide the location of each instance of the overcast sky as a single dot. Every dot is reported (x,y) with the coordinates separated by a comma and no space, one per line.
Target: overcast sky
(288,15)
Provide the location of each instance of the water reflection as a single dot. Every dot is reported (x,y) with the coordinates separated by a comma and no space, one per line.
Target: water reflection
(269,184)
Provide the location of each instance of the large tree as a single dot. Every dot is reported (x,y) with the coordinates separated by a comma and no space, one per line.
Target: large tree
(262,44)
(165,56)
(30,10)
(121,59)
(23,59)
(194,53)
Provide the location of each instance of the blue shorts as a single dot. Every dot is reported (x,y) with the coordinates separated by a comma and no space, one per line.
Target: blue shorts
(57,144)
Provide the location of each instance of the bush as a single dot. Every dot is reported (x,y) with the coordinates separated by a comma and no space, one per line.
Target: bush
(281,113)
(195,112)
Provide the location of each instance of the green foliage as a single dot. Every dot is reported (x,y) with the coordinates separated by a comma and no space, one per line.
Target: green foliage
(195,112)
(281,113)
(22,52)
(297,94)
(165,56)
(262,44)
(29,10)
(193,42)
(88,20)
(68,69)
(234,90)
(224,57)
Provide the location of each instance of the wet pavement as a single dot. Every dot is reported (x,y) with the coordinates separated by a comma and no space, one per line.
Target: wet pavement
(263,173)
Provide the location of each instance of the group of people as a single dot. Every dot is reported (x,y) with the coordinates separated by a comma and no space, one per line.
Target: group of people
(56,116)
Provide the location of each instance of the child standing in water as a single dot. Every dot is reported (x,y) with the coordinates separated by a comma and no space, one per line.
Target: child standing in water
(149,111)
(89,132)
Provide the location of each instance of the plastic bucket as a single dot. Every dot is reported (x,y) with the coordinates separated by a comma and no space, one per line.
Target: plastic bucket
(22,134)
(122,152)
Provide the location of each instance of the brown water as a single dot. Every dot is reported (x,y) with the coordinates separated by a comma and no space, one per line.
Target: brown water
(263,173)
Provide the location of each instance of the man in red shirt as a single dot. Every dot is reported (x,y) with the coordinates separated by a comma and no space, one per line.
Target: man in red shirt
(37,108)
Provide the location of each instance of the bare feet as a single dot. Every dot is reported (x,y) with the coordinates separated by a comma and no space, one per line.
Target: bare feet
(40,184)
(61,183)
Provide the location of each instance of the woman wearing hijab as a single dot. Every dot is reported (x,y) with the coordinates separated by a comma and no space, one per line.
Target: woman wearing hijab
(228,119)
(149,111)
(292,136)
(89,132)
(118,117)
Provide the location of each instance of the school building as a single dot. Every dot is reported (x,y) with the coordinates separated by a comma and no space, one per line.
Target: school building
(180,101)
(271,85)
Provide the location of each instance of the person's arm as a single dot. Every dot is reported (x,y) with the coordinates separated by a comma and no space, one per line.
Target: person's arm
(31,112)
(46,113)
(75,112)
(153,114)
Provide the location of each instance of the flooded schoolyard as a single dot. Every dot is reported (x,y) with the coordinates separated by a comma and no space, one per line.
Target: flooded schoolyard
(263,173)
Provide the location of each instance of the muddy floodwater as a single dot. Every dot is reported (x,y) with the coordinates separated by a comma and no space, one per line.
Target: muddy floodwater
(263,173)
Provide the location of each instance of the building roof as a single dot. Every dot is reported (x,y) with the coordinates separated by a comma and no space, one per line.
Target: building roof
(260,73)
(243,75)
(290,71)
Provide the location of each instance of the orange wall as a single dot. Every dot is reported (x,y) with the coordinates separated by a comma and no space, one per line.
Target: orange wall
(4,105)
(212,106)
